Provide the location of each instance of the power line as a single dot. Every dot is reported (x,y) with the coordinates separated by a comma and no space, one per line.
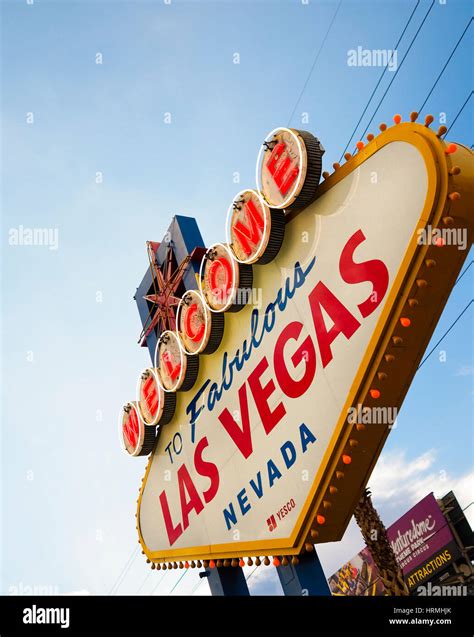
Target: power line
(141,585)
(444,67)
(178,581)
(460,111)
(463,272)
(201,580)
(125,568)
(314,62)
(399,67)
(380,79)
(446,333)
(159,582)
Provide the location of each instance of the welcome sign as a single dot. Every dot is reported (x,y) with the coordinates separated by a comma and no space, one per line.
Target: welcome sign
(255,454)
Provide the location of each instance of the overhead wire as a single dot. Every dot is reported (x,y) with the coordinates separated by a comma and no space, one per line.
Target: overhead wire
(399,67)
(159,582)
(178,581)
(459,113)
(446,333)
(124,570)
(314,62)
(380,78)
(464,272)
(445,65)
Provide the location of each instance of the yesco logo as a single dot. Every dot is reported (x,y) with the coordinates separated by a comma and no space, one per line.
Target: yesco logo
(281,513)
(271,523)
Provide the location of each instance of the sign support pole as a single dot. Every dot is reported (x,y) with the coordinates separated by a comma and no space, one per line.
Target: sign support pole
(226,581)
(305,578)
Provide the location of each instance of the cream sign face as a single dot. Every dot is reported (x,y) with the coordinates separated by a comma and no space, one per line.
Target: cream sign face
(260,455)
(254,433)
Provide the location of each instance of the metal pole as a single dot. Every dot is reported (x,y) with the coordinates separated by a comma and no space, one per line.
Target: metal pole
(305,578)
(226,580)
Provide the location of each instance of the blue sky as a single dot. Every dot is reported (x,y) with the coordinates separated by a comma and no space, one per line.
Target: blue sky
(69,322)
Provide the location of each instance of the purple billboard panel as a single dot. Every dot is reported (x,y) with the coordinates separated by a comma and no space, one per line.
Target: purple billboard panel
(423,545)
(420,540)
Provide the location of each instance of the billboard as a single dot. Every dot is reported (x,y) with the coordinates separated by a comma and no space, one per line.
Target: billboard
(422,542)
(423,546)
(358,577)
(327,309)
